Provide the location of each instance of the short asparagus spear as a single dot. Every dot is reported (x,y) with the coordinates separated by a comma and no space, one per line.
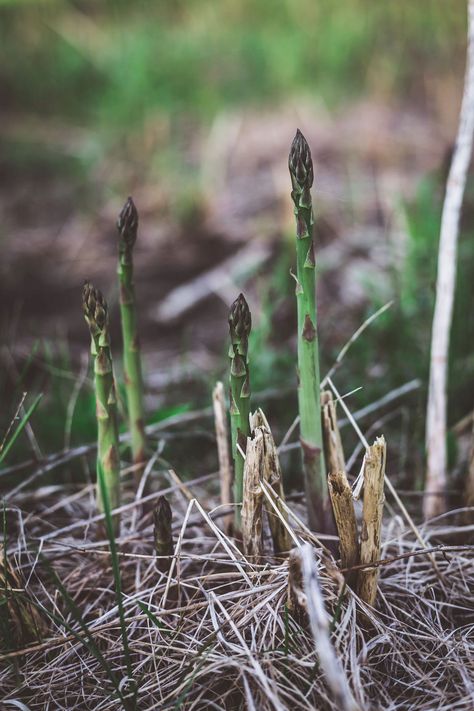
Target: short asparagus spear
(240,323)
(108,461)
(127,226)
(301,171)
(163,533)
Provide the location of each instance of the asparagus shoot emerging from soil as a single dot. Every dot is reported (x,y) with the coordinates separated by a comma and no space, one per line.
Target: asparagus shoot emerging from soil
(240,323)
(162,519)
(127,226)
(108,460)
(301,170)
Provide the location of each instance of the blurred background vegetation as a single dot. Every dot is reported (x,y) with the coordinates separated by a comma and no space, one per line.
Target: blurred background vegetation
(104,97)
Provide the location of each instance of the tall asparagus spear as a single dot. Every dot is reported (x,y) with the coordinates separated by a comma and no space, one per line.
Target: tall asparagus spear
(301,170)
(108,461)
(240,323)
(127,226)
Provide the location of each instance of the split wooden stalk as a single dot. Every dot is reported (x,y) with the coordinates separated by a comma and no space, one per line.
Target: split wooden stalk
(374,474)
(262,464)
(339,489)
(272,474)
(252,505)
(225,467)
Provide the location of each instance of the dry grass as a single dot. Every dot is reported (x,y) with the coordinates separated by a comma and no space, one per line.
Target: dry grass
(226,639)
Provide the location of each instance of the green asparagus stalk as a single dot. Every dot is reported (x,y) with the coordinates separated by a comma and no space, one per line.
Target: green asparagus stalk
(301,171)
(127,226)
(240,323)
(163,535)
(108,460)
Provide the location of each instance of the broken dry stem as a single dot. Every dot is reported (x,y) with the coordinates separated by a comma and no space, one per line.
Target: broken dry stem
(272,474)
(342,502)
(252,506)
(222,438)
(340,491)
(374,473)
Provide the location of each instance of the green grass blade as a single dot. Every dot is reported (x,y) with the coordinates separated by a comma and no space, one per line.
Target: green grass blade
(6,447)
(153,618)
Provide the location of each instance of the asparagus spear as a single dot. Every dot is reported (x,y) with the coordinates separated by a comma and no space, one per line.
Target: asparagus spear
(127,226)
(301,171)
(108,461)
(240,323)
(163,533)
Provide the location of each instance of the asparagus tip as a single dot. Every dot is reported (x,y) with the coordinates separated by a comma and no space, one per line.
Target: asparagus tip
(127,223)
(162,518)
(94,306)
(162,508)
(300,162)
(240,318)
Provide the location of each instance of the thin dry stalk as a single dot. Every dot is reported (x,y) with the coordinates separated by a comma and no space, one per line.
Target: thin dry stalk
(252,505)
(445,286)
(330,663)
(374,473)
(272,474)
(181,485)
(222,437)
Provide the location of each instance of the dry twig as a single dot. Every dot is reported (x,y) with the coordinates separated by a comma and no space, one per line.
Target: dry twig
(445,287)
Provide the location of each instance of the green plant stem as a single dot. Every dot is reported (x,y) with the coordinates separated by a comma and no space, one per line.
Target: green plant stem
(240,323)
(127,226)
(108,460)
(301,171)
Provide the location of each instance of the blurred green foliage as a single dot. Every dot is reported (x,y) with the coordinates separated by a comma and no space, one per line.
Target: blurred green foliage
(111,63)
